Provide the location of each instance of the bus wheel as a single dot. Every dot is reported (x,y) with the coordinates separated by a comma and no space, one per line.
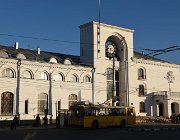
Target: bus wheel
(123,124)
(95,125)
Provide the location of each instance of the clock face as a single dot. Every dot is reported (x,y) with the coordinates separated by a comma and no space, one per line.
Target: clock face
(110,49)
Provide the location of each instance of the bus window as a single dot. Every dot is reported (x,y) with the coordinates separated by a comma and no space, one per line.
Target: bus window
(114,112)
(110,112)
(130,112)
(102,111)
(79,113)
(121,112)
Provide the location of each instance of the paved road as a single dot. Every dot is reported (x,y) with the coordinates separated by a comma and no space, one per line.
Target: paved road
(129,133)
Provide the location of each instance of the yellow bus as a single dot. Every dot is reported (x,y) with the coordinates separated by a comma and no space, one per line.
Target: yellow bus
(87,115)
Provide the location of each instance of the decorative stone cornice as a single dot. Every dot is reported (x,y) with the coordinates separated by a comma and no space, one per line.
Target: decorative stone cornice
(155,63)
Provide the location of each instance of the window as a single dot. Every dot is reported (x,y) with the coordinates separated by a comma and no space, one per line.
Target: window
(130,112)
(44,75)
(87,79)
(53,60)
(59,105)
(109,72)
(117,84)
(142,107)
(27,74)
(4,54)
(67,61)
(141,74)
(72,99)
(74,78)
(26,107)
(8,73)
(59,77)
(141,90)
(109,77)
(21,56)
(7,103)
(42,103)
(109,89)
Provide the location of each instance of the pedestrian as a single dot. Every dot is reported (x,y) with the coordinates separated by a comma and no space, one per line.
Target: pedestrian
(179,118)
(45,119)
(172,117)
(14,122)
(58,121)
(37,120)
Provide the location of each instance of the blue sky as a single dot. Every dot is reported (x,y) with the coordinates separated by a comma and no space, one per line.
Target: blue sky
(156,23)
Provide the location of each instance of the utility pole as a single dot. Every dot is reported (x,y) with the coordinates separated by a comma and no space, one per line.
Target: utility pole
(93,70)
(127,76)
(113,94)
(18,86)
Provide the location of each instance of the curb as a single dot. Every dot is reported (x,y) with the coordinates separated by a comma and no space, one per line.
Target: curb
(154,129)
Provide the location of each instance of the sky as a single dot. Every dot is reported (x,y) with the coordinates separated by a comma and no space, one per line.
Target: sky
(53,25)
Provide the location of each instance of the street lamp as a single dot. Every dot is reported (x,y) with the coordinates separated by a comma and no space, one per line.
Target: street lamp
(18,86)
(93,70)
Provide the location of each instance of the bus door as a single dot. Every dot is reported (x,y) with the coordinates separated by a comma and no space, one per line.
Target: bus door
(102,118)
(113,118)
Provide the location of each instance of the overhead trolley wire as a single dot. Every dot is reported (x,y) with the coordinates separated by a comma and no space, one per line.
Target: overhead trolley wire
(161,51)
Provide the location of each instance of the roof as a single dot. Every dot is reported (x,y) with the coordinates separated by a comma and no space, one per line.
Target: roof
(46,56)
(43,56)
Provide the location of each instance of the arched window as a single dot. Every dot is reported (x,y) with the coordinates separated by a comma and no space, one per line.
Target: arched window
(44,75)
(4,54)
(67,61)
(53,60)
(86,79)
(141,74)
(59,77)
(72,99)
(74,78)
(109,77)
(8,73)
(142,107)
(141,90)
(42,103)
(21,56)
(27,74)
(7,103)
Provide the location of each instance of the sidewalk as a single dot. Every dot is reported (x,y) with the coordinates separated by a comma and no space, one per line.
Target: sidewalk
(6,128)
(154,127)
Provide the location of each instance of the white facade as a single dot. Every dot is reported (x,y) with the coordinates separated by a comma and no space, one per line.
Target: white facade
(138,81)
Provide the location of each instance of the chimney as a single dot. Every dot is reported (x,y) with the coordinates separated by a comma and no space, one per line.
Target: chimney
(142,52)
(16,45)
(38,50)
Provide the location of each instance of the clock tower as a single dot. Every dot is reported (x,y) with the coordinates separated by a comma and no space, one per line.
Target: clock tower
(100,47)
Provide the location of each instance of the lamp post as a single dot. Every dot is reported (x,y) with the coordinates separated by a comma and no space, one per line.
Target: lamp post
(127,76)
(113,80)
(18,86)
(93,70)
